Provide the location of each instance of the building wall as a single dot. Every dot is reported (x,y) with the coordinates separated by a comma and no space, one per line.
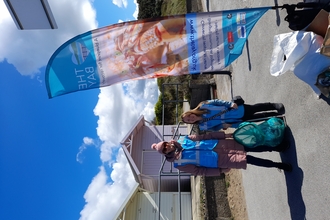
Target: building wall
(149,161)
(146,164)
(167,184)
(145,206)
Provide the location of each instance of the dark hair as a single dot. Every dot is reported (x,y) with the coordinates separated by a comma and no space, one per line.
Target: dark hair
(171,156)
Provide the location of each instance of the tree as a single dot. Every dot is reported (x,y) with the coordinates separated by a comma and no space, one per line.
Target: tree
(149,8)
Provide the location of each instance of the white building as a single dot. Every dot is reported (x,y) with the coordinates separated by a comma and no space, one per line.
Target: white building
(143,203)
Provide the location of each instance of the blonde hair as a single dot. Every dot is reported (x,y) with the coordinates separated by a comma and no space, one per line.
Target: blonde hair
(196,111)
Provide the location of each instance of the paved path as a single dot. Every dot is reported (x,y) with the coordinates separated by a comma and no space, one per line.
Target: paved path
(271,195)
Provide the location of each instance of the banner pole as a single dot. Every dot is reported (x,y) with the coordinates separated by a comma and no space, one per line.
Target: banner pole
(299,5)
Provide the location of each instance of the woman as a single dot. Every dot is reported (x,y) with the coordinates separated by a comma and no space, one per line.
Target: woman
(232,118)
(214,153)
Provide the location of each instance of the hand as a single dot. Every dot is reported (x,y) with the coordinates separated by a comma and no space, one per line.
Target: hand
(174,143)
(225,126)
(192,136)
(234,106)
(224,170)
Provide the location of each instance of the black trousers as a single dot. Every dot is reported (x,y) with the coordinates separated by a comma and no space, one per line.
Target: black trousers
(257,111)
(259,161)
(264,148)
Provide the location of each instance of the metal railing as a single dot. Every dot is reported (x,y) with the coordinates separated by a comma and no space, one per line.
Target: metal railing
(171,173)
(175,135)
(176,100)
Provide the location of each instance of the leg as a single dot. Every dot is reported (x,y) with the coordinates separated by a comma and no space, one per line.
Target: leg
(261,148)
(250,110)
(284,145)
(262,115)
(267,163)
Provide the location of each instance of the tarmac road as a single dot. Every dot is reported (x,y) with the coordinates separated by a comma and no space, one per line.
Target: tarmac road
(305,192)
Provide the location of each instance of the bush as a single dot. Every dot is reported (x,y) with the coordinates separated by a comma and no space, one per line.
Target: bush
(149,8)
(169,110)
(170,93)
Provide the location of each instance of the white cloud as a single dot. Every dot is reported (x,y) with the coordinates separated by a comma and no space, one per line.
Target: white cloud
(103,199)
(29,50)
(118,111)
(120,3)
(118,108)
(86,142)
(136,12)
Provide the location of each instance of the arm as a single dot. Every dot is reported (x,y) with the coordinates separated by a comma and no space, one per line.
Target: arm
(219,102)
(175,143)
(202,171)
(212,135)
(225,126)
(218,127)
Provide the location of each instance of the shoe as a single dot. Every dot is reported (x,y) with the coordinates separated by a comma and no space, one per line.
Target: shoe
(285,166)
(279,108)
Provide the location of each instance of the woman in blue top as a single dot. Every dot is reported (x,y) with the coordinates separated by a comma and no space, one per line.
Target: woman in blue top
(214,153)
(235,115)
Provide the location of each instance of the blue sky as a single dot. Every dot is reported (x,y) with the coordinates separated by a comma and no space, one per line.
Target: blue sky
(60,157)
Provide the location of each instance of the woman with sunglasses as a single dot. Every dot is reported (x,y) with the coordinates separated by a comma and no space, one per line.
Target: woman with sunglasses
(214,153)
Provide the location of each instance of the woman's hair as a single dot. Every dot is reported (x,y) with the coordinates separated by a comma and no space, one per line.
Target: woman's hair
(170,157)
(176,154)
(196,111)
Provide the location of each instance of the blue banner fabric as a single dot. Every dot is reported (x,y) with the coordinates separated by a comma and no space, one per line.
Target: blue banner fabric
(150,48)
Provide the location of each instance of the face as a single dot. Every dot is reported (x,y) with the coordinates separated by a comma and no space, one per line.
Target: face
(168,148)
(190,119)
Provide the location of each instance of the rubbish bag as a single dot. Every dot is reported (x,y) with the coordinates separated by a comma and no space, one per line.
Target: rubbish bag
(299,51)
(269,133)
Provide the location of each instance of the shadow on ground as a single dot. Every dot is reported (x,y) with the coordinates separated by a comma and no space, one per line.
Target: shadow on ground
(294,181)
(324,98)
